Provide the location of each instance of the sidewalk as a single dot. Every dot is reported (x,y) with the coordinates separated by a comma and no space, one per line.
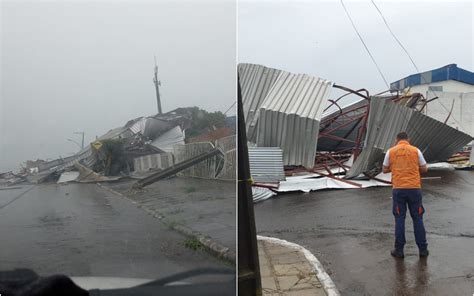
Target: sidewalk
(199,208)
(286,270)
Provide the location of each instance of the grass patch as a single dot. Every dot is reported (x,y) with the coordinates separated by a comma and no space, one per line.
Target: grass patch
(189,189)
(170,224)
(193,244)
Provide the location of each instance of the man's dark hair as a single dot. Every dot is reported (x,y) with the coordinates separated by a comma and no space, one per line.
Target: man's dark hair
(402,136)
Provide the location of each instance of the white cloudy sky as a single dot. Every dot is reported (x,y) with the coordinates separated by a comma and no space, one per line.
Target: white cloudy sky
(316,37)
(71,66)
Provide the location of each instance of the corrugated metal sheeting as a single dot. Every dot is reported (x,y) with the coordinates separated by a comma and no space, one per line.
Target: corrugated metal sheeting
(205,169)
(216,167)
(266,164)
(149,126)
(285,114)
(256,81)
(436,140)
(228,146)
(229,169)
(153,161)
(169,139)
(261,194)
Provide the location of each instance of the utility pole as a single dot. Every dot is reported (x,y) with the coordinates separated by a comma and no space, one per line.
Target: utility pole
(81,133)
(157,88)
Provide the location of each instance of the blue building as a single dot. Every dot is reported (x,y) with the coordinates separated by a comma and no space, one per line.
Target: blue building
(449,78)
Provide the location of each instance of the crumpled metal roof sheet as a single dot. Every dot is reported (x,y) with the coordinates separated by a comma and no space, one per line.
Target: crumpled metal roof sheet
(386,119)
(266,164)
(260,194)
(256,81)
(290,115)
(150,127)
(169,139)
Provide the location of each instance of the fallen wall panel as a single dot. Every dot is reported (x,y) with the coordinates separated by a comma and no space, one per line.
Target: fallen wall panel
(436,140)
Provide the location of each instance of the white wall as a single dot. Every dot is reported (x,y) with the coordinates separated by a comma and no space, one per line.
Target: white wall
(456,95)
(462,115)
(448,86)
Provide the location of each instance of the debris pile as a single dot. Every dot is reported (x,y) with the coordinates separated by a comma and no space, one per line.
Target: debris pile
(325,145)
(140,149)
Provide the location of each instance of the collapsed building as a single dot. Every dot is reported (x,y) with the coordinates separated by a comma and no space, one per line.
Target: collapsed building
(326,145)
(138,149)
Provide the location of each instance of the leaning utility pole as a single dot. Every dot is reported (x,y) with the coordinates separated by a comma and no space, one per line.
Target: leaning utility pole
(157,88)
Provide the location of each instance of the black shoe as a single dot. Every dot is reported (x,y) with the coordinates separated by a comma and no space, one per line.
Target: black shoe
(397,253)
(424,253)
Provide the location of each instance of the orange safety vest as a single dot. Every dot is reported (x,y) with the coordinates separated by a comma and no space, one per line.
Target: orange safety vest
(405,167)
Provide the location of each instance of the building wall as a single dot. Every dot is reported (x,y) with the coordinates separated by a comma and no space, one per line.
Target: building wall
(462,114)
(448,86)
(456,95)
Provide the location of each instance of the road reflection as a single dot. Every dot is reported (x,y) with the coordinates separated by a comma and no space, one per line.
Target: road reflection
(411,279)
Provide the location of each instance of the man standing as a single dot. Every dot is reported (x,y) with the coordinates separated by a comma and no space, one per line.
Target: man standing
(406,162)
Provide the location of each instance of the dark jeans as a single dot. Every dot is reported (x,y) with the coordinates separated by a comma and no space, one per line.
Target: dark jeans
(412,198)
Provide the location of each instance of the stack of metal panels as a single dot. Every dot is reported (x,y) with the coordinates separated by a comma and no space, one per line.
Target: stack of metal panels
(436,140)
(266,164)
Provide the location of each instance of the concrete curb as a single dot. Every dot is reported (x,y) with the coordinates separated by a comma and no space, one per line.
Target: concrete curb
(323,277)
(211,246)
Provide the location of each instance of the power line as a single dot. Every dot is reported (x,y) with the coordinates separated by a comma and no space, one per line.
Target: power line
(366,48)
(411,59)
(395,37)
(225,113)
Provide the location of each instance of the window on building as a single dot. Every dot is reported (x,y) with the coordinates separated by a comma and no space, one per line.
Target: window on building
(435,88)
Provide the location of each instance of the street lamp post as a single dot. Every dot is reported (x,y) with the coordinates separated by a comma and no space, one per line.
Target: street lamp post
(78,145)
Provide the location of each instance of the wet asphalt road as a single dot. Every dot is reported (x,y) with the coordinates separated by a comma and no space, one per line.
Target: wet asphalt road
(351,233)
(83,230)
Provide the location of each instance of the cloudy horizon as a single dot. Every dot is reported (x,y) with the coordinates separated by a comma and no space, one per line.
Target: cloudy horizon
(88,66)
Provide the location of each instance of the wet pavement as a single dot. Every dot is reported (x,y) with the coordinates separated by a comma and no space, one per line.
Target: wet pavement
(203,205)
(83,230)
(351,233)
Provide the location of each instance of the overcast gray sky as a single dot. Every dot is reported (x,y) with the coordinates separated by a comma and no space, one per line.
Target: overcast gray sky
(70,66)
(316,37)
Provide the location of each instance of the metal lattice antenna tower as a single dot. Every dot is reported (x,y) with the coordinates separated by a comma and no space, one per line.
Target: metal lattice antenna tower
(157,88)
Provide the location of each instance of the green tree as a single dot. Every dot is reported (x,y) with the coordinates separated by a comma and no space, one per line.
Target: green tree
(204,122)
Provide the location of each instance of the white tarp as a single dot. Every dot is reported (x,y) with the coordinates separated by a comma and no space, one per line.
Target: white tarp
(310,182)
(166,141)
(68,177)
(440,166)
